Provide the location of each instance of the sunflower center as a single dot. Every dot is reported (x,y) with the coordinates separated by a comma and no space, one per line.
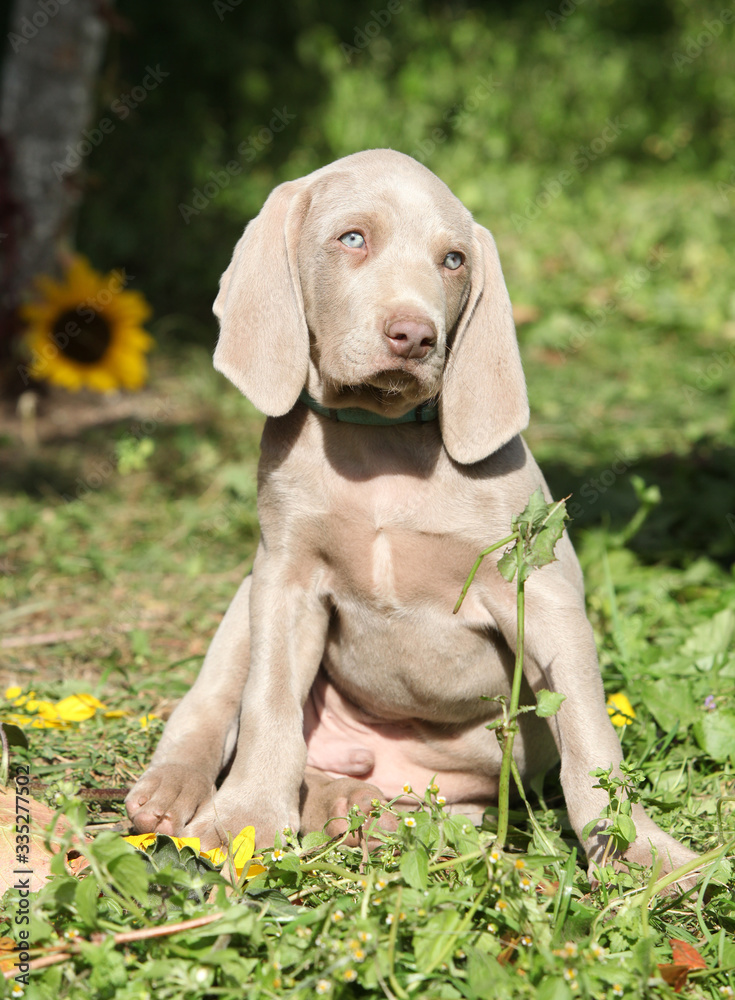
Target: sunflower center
(84,340)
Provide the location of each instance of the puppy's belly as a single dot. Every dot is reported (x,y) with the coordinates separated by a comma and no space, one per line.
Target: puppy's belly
(464,761)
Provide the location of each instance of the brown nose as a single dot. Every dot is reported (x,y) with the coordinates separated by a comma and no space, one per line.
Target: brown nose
(410,338)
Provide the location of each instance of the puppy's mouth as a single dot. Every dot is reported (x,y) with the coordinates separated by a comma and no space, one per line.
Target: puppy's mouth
(391,392)
(393,382)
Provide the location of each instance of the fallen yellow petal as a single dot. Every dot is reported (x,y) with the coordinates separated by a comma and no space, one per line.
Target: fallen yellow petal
(243,846)
(116,713)
(13,692)
(78,707)
(144,720)
(620,710)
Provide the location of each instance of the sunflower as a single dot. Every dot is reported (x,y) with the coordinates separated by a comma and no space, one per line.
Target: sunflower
(86,331)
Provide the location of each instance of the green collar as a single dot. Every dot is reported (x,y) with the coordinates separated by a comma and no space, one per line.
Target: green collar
(353,415)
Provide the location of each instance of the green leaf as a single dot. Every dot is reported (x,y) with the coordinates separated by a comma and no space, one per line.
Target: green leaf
(430,943)
(129,872)
(85,900)
(414,867)
(626,826)
(548,703)
(508,564)
(15,735)
(712,636)
(531,519)
(715,734)
(553,988)
(484,973)
(541,545)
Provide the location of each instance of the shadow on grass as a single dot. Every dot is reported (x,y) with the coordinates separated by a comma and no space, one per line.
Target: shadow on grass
(696,515)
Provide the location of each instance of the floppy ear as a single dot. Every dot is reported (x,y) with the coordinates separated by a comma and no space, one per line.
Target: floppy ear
(483,402)
(263,346)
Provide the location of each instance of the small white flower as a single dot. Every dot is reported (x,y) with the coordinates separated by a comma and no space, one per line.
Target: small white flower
(278,854)
(441,800)
(407,788)
(569,974)
(389,919)
(337,916)
(349,975)
(201,975)
(409,821)
(617,990)
(323,986)
(526,940)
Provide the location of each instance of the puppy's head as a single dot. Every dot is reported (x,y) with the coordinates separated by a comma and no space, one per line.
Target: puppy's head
(368,283)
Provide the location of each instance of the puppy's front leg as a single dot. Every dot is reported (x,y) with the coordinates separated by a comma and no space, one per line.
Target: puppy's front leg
(561,655)
(201,733)
(288,633)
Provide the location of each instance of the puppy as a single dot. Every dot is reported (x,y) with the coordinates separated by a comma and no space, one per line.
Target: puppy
(365,312)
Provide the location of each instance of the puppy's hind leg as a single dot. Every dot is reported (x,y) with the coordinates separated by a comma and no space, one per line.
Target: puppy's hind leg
(201,734)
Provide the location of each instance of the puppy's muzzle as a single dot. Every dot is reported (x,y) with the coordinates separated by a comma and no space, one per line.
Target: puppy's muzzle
(410,338)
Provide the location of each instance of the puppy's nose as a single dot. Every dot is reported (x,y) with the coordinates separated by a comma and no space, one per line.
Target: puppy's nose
(410,338)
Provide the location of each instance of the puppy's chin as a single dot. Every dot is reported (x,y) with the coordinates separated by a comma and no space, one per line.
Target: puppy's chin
(391,393)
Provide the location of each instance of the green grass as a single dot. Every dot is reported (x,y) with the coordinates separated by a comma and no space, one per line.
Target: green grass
(138,572)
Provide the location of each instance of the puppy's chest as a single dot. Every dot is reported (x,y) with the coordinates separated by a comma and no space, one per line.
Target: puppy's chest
(394,545)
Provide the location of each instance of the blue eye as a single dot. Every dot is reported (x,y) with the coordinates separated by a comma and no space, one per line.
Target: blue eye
(453,260)
(353,240)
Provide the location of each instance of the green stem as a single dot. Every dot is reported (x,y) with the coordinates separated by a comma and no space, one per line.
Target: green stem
(512,726)
(454,937)
(395,985)
(324,866)
(485,552)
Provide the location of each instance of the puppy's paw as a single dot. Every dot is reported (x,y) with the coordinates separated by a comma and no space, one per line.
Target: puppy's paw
(166,797)
(652,844)
(328,804)
(224,817)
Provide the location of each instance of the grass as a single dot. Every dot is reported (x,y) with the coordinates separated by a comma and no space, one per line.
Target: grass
(118,592)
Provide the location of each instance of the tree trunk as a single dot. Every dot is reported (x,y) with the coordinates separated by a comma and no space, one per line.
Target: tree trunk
(53,56)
